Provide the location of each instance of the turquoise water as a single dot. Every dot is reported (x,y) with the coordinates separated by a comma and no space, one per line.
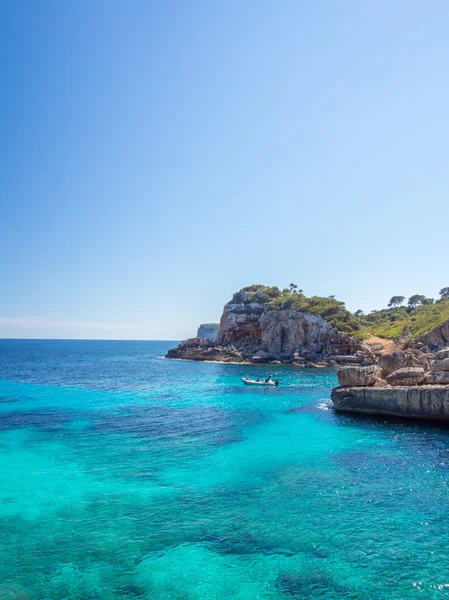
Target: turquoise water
(124,475)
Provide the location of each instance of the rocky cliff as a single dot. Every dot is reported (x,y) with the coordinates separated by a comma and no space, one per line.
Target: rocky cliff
(436,339)
(406,383)
(208,331)
(252,330)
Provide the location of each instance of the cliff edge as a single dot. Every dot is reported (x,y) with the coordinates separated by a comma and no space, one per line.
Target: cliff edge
(261,325)
(405,383)
(208,331)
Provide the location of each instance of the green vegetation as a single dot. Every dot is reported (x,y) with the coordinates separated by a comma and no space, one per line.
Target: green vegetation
(330,309)
(420,316)
(396,301)
(396,323)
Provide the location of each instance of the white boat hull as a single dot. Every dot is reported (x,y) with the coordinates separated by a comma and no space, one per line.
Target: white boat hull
(261,383)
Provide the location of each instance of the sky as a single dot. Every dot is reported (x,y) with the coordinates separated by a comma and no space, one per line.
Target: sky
(157,156)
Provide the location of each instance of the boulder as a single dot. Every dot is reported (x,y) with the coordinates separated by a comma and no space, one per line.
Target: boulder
(261,357)
(407,376)
(439,378)
(348,359)
(402,359)
(13,591)
(440,365)
(437,339)
(358,376)
(442,354)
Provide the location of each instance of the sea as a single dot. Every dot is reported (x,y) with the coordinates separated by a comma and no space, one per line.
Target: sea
(125,475)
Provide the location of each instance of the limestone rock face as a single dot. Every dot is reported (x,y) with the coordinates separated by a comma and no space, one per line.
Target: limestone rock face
(358,376)
(261,357)
(407,376)
(208,331)
(435,340)
(284,335)
(402,359)
(253,331)
(348,359)
(442,354)
(286,332)
(421,402)
(437,378)
(440,365)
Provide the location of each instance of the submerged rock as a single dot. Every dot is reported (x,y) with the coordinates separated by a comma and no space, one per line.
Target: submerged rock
(308,584)
(13,591)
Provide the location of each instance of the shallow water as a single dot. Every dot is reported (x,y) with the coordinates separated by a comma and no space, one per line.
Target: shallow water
(125,475)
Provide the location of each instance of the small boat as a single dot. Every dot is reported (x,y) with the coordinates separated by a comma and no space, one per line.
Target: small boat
(271,383)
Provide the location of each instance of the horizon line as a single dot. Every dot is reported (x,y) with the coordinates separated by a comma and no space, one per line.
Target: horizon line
(37,339)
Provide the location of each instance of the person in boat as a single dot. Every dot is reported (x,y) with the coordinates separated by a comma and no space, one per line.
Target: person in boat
(268,379)
(258,379)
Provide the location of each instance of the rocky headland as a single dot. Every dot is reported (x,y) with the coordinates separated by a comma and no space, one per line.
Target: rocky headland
(262,325)
(391,362)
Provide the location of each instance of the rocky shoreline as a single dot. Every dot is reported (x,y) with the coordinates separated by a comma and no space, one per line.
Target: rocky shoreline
(419,402)
(251,331)
(407,383)
(410,381)
(214,351)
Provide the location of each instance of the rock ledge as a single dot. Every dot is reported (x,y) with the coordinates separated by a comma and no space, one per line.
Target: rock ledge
(418,402)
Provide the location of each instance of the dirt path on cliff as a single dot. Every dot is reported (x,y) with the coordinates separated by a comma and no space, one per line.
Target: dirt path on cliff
(381,345)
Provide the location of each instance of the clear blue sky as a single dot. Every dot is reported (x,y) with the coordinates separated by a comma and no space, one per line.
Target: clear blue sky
(158,156)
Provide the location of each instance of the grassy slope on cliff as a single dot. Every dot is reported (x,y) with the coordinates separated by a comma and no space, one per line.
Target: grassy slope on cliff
(394,323)
(390,323)
(330,309)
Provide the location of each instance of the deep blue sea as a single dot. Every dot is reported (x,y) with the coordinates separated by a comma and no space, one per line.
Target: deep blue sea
(124,475)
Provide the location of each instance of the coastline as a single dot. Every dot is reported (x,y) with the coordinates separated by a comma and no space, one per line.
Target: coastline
(422,402)
(258,364)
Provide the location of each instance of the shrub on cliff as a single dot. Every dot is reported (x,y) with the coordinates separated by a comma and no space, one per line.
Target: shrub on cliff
(256,293)
(394,323)
(333,311)
(421,316)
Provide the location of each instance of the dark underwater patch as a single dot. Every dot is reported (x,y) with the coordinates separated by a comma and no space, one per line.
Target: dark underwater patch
(260,391)
(212,425)
(45,419)
(238,543)
(131,590)
(356,460)
(308,585)
(11,399)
